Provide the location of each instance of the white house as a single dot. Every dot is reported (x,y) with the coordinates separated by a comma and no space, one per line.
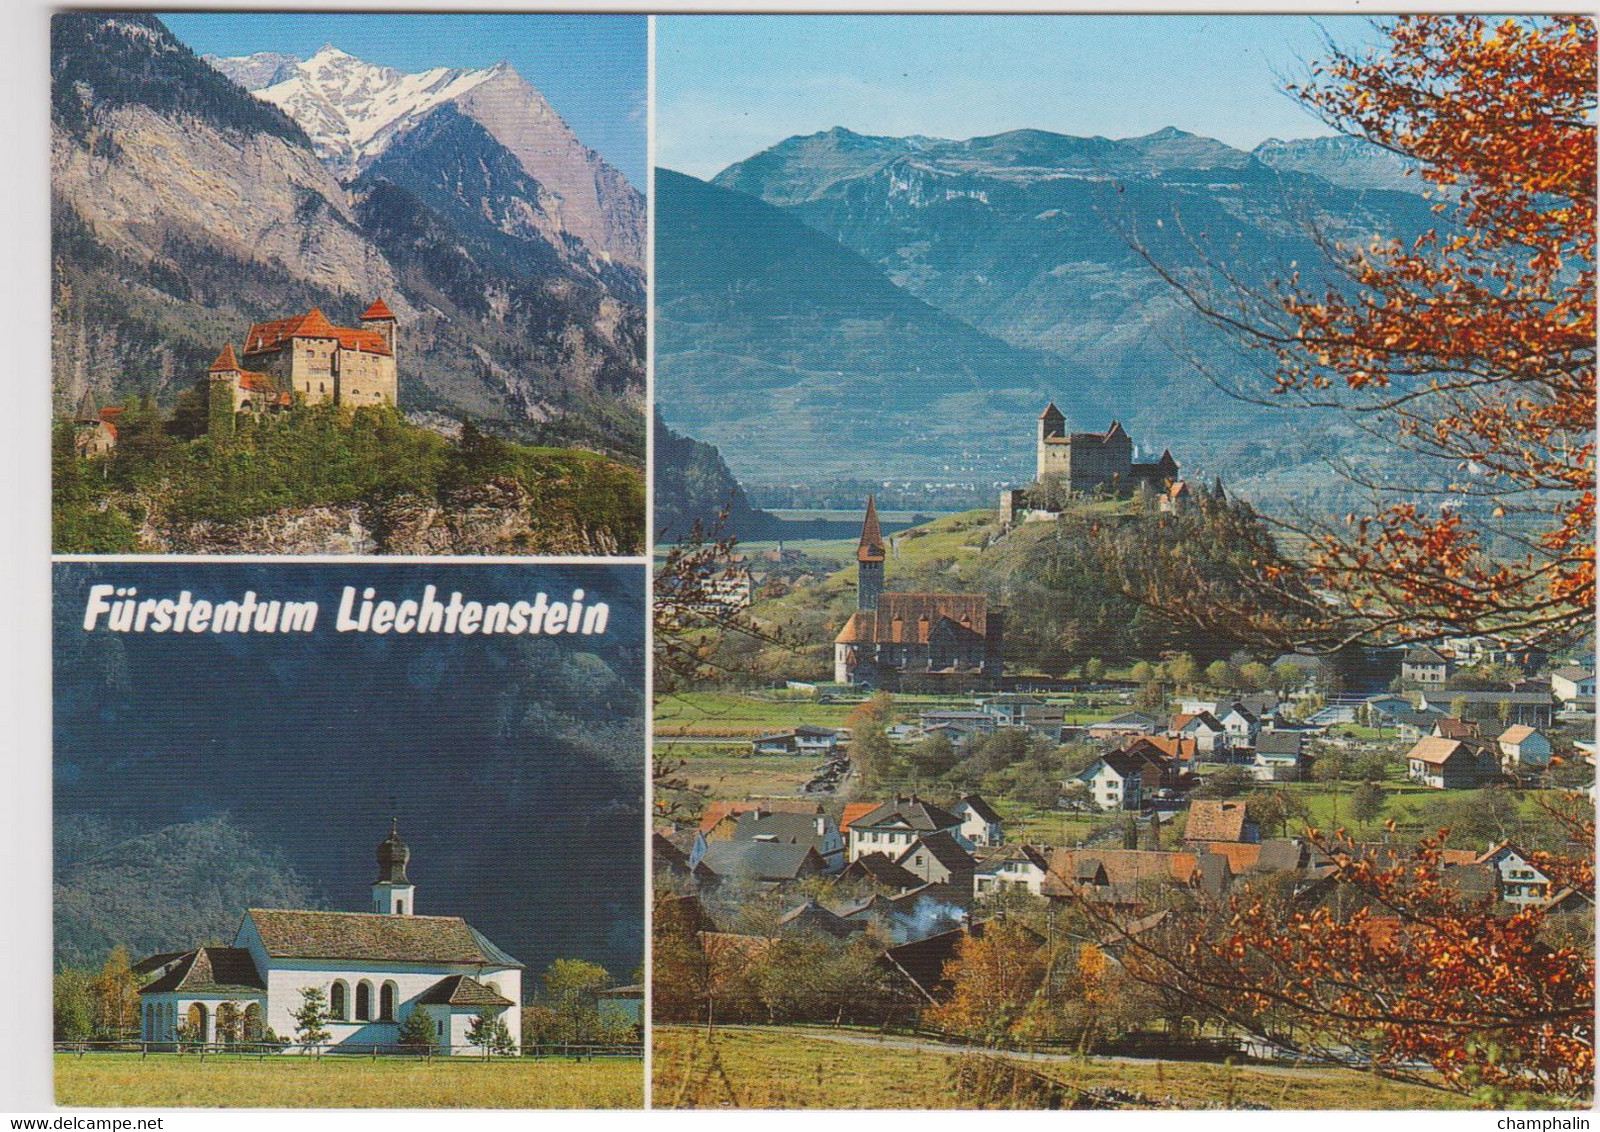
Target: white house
(980,825)
(1204,728)
(1241,725)
(1014,866)
(1520,882)
(374,968)
(892,827)
(1523,746)
(1117,781)
(1573,685)
(802,740)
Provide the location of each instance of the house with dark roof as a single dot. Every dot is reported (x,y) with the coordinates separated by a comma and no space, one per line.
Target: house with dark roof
(1425,667)
(940,859)
(893,640)
(1279,757)
(375,970)
(780,827)
(980,824)
(760,862)
(893,826)
(1534,708)
(803,740)
(1126,724)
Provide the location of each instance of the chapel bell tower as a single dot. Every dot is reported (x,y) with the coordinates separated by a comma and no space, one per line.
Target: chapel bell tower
(393,894)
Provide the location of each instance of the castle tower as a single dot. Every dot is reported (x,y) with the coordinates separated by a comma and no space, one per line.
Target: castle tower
(869,560)
(1054,454)
(380,318)
(393,894)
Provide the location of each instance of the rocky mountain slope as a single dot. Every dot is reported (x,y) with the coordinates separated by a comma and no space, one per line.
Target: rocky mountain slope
(1039,240)
(185,209)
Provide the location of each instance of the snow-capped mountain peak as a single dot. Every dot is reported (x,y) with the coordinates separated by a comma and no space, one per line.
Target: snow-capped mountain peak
(351,109)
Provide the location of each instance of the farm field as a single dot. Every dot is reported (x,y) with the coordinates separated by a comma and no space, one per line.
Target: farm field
(797,1068)
(114,1080)
(735,778)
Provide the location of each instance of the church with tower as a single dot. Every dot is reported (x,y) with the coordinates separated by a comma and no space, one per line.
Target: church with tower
(900,641)
(375,969)
(309,357)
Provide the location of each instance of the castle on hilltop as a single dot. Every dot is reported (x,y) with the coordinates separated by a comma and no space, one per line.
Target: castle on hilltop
(310,357)
(1083,464)
(1092,462)
(902,640)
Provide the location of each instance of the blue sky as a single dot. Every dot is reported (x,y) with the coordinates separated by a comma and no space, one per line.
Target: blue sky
(729,86)
(592,68)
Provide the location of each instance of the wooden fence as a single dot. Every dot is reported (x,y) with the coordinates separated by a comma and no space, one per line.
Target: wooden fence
(572,1051)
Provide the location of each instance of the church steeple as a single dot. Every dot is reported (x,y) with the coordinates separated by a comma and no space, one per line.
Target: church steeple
(869,560)
(393,893)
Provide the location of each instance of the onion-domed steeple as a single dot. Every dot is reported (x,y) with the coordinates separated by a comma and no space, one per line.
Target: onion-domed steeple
(393,855)
(392,891)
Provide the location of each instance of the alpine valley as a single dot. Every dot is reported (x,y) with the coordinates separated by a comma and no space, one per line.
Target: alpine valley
(196,196)
(900,309)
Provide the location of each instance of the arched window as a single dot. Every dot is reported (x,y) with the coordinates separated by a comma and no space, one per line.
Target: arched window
(386,1000)
(363,1001)
(339,1001)
(197,1022)
(254,1026)
(399,907)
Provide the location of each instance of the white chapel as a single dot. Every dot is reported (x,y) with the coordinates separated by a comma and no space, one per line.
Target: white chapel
(376,968)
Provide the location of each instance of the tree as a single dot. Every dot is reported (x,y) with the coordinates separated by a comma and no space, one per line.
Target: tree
(1142,673)
(416,1032)
(1470,348)
(1273,810)
(489,1032)
(1228,782)
(1287,677)
(115,993)
(934,756)
(1094,668)
(994,975)
(1221,674)
(73,1007)
(230,1023)
(1366,802)
(570,989)
(1184,670)
(1255,676)
(1418,973)
(311,1017)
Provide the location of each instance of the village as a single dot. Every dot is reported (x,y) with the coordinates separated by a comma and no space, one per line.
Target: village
(879,823)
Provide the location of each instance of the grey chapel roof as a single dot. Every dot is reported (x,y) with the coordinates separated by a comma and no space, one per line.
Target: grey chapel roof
(461,990)
(287,934)
(211,971)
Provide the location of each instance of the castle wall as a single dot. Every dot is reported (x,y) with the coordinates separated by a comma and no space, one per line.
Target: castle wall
(366,379)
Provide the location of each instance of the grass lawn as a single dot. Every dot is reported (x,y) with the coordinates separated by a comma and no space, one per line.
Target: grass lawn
(115,1080)
(745,716)
(794,1069)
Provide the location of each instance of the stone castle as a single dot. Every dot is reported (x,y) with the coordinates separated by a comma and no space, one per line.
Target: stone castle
(1090,463)
(309,357)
